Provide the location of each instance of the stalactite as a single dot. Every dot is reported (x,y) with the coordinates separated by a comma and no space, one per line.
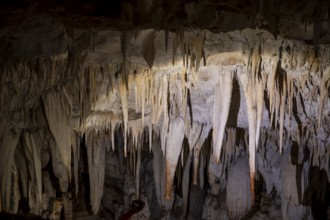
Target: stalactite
(57,109)
(113,128)
(271,87)
(16,194)
(201,171)
(96,167)
(159,171)
(9,140)
(100,121)
(204,133)
(290,86)
(173,148)
(164,104)
(124,107)
(136,131)
(259,86)
(34,150)
(253,92)
(281,120)
(59,168)
(196,163)
(67,205)
(23,169)
(138,166)
(92,87)
(324,86)
(150,135)
(222,100)
(193,134)
(185,185)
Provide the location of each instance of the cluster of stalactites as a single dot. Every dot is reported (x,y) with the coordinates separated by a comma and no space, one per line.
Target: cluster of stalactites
(161,97)
(161,105)
(165,98)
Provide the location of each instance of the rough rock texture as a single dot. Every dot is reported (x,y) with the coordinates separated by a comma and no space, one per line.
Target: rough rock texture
(168,86)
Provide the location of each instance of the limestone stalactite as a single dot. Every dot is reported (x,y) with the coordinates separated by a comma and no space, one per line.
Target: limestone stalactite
(173,149)
(221,107)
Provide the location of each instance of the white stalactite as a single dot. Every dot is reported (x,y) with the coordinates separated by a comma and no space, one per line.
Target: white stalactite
(57,111)
(173,148)
(253,93)
(281,119)
(60,170)
(96,167)
(124,107)
(221,107)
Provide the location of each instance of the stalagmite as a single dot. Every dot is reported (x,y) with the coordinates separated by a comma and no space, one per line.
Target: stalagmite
(222,100)
(173,148)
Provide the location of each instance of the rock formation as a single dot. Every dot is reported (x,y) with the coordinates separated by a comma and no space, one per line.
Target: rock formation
(197,109)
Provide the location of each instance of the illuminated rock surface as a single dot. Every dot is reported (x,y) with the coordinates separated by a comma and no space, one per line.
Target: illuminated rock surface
(198,110)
